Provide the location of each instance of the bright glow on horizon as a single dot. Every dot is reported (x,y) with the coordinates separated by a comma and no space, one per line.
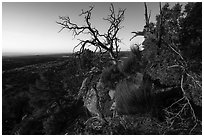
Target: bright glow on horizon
(31,27)
(20,42)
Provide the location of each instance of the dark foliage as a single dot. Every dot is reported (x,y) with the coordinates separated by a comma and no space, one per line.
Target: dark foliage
(133,63)
(111,76)
(35,100)
(191,35)
(158,90)
(131,98)
(87,59)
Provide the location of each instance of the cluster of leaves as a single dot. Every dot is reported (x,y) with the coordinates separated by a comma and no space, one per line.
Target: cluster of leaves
(159,63)
(126,68)
(171,57)
(165,62)
(184,29)
(191,35)
(86,59)
(111,76)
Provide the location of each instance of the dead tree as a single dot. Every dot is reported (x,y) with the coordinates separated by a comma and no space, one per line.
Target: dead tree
(160,25)
(104,43)
(147,24)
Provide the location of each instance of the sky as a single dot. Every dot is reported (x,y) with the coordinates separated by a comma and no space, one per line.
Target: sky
(31,27)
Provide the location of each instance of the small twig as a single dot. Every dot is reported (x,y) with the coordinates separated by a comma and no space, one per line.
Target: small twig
(192,110)
(175,51)
(171,120)
(184,94)
(178,114)
(197,82)
(193,128)
(174,66)
(175,102)
(138,33)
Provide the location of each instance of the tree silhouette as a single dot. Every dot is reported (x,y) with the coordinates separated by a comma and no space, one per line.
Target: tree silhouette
(104,43)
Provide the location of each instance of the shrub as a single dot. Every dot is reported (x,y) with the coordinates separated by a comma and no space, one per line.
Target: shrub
(111,76)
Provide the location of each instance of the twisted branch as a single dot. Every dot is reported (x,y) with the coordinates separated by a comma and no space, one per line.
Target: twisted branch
(108,41)
(178,114)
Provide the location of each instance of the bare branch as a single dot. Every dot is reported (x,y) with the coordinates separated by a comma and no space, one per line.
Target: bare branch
(160,26)
(146,15)
(149,15)
(175,51)
(182,110)
(174,66)
(138,33)
(108,41)
(176,102)
(184,94)
(197,82)
(146,27)
(193,128)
